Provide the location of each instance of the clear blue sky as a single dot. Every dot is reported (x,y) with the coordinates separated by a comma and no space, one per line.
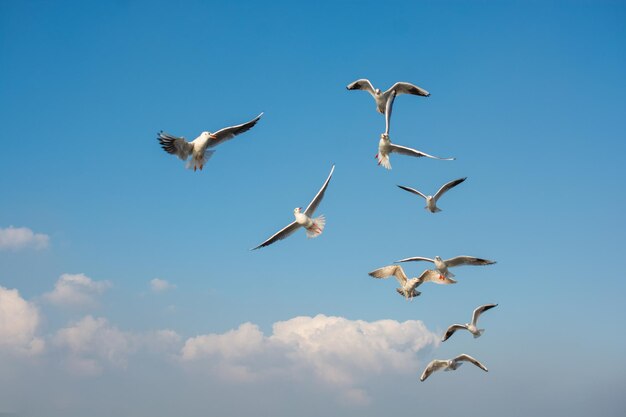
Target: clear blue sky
(529,96)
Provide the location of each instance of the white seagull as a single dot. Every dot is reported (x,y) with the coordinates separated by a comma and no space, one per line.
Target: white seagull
(314,227)
(408,286)
(471,327)
(385,147)
(442,266)
(450,365)
(382,98)
(431,200)
(198,148)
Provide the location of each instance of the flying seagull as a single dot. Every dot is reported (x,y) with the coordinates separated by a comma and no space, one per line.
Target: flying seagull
(471,327)
(408,286)
(431,200)
(198,148)
(450,365)
(385,147)
(442,266)
(314,227)
(382,98)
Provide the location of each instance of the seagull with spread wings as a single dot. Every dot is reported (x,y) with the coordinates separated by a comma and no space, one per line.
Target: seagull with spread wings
(408,286)
(450,365)
(314,227)
(383,97)
(470,327)
(443,265)
(198,148)
(385,147)
(431,200)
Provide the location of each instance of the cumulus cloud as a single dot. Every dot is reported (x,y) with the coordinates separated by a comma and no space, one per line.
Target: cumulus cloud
(93,343)
(76,290)
(334,350)
(16,238)
(19,320)
(160,285)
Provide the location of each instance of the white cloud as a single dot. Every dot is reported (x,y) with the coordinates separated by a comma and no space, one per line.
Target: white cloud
(76,290)
(93,343)
(159,285)
(334,350)
(15,238)
(19,320)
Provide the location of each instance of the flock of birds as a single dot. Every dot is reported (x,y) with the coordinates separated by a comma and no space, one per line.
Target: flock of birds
(197,152)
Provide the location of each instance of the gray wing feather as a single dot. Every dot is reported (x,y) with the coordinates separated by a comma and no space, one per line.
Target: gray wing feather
(362,84)
(467,260)
(451,331)
(412,190)
(403,150)
(408,88)
(388,111)
(444,188)
(281,234)
(227,133)
(416,258)
(432,367)
(387,271)
(467,358)
(318,197)
(175,145)
(480,310)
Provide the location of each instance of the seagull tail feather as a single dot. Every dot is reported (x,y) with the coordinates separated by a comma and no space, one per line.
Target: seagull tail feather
(317,227)
(198,163)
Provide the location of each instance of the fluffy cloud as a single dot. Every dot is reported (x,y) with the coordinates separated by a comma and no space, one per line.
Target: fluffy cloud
(335,350)
(76,290)
(19,320)
(15,238)
(159,285)
(92,344)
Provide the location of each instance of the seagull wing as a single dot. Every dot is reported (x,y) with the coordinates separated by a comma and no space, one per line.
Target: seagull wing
(230,132)
(480,310)
(435,277)
(416,258)
(388,111)
(451,331)
(403,150)
(444,188)
(408,88)
(362,84)
(318,197)
(467,358)
(387,271)
(281,234)
(175,145)
(467,260)
(412,190)
(432,367)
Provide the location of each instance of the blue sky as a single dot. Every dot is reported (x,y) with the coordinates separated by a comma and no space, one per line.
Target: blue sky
(528,96)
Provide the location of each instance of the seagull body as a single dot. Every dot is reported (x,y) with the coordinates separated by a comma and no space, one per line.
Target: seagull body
(314,226)
(408,286)
(443,265)
(450,365)
(431,200)
(198,148)
(382,98)
(385,147)
(471,327)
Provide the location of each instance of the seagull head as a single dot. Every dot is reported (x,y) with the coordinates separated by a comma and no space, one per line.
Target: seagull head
(297,210)
(438,258)
(384,136)
(205,134)
(377,91)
